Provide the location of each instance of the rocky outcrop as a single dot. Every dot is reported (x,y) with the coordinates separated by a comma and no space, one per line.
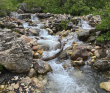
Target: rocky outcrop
(15,54)
(23,7)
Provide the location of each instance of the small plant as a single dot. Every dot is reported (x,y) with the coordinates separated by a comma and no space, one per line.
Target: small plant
(63,25)
(1,67)
(104,37)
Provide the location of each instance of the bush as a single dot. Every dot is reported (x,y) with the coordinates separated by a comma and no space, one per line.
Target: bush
(63,25)
(104,37)
(104,25)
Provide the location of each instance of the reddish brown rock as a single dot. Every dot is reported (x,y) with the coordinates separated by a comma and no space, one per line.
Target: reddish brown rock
(27,39)
(36,55)
(35,48)
(80,51)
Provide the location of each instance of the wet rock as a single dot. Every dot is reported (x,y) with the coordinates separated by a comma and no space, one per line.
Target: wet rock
(24,16)
(36,48)
(97,47)
(32,24)
(35,31)
(101,65)
(19,11)
(41,66)
(92,50)
(11,25)
(98,33)
(32,73)
(96,53)
(44,47)
(37,91)
(105,85)
(37,55)
(91,39)
(17,30)
(65,33)
(63,55)
(11,92)
(43,15)
(37,83)
(2,79)
(80,51)
(26,81)
(15,54)
(33,42)
(84,35)
(2,87)
(27,39)
(49,30)
(44,81)
(78,62)
(70,25)
(108,55)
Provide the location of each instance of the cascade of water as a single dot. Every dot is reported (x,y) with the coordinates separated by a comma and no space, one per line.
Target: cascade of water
(84,24)
(61,80)
(64,83)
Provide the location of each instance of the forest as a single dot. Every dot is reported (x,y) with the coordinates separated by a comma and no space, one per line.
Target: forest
(73,7)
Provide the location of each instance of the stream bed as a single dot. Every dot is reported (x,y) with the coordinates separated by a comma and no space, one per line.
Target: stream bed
(70,80)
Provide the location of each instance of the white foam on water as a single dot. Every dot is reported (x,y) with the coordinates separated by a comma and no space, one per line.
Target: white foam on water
(84,24)
(52,44)
(50,53)
(63,81)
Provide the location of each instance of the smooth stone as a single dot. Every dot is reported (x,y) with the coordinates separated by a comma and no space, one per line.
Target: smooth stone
(105,85)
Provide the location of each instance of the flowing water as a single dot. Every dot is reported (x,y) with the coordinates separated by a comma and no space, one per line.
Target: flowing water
(68,80)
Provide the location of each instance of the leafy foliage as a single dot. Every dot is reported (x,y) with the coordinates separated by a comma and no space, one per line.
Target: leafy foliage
(63,25)
(104,26)
(104,37)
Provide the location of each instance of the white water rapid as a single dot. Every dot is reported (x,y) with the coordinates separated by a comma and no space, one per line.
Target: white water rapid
(62,80)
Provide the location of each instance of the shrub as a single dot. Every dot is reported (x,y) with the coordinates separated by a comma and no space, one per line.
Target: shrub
(63,25)
(104,37)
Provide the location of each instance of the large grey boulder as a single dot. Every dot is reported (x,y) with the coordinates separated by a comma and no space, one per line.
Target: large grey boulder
(84,35)
(15,54)
(41,66)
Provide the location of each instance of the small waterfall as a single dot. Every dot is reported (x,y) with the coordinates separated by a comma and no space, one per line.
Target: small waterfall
(84,24)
